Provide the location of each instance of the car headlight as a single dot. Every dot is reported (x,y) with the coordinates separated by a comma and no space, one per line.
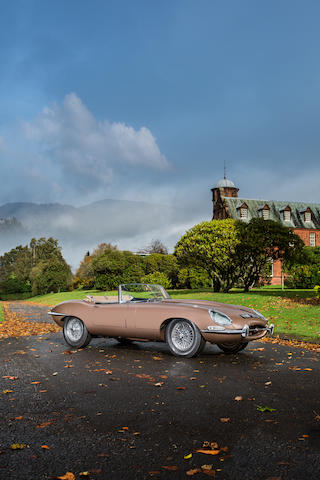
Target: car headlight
(259,314)
(220,318)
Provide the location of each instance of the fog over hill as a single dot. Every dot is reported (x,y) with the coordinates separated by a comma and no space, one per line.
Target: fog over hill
(129,224)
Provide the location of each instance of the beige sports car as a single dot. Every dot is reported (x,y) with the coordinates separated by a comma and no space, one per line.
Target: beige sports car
(146,312)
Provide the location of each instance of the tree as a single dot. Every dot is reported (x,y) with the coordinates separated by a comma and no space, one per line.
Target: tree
(212,246)
(50,276)
(261,241)
(21,267)
(156,246)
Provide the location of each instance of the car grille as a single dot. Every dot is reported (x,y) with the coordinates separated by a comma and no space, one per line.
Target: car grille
(254,329)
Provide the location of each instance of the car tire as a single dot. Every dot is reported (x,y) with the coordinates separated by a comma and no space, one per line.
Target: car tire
(232,347)
(75,332)
(184,338)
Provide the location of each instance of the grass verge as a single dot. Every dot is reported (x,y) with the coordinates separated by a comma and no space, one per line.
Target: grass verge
(1,313)
(295,313)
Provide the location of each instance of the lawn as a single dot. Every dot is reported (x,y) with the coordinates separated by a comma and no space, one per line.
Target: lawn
(1,313)
(295,313)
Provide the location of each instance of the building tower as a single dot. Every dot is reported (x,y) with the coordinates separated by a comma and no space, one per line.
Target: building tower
(223,188)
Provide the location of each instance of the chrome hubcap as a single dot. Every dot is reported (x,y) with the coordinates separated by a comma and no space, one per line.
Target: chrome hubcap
(182,336)
(74,329)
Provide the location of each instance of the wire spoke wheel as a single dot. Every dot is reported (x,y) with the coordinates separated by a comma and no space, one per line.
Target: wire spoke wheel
(75,332)
(184,338)
(182,335)
(74,329)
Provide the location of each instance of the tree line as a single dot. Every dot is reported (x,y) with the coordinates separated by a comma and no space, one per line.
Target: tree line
(220,254)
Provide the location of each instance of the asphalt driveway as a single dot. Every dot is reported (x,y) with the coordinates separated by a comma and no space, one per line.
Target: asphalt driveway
(126,412)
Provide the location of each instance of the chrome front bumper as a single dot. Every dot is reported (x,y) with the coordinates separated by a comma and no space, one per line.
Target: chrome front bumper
(244,331)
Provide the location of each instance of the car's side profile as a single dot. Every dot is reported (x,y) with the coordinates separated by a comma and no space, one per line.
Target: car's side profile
(146,312)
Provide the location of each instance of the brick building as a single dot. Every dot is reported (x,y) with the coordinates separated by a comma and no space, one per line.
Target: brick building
(304,218)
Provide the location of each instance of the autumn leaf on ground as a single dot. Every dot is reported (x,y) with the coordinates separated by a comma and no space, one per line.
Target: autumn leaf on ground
(158,384)
(265,408)
(208,452)
(18,418)
(34,383)
(7,391)
(212,445)
(181,388)
(67,476)
(171,468)
(84,474)
(157,358)
(225,419)
(193,471)
(45,424)
(45,447)
(186,457)
(238,398)
(18,446)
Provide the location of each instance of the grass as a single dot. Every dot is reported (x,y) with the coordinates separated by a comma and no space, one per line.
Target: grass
(295,313)
(1,313)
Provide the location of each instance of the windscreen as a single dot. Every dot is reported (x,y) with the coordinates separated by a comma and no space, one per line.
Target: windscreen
(141,292)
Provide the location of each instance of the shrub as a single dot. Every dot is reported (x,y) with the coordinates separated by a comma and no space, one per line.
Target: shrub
(194,278)
(303,276)
(157,278)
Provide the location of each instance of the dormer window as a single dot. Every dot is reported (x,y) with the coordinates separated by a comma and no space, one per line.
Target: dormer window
(243,211)
(264,212)
(307,216)
(286,213)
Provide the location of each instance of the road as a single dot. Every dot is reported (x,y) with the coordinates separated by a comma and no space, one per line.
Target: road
(124,412)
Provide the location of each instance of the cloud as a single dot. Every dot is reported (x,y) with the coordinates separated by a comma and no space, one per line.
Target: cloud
(87,150)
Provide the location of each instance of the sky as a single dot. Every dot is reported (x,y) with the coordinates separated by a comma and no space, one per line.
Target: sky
(146,100)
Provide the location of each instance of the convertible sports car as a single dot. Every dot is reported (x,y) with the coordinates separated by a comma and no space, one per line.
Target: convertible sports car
(146,312)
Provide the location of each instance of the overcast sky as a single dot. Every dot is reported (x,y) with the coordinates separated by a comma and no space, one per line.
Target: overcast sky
(145,100)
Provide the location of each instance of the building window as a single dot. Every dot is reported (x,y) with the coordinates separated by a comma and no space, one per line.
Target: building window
(286,215)
(266,214)
(312,239)
(307,216)
(243,212)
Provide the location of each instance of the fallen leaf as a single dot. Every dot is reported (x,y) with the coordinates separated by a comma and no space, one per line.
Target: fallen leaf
(181,388)
(186,457)
(225,419)
(265,408)
(45,447)
(45,424)
(155,472)
(125,428)
(238,399)
(193,471)
(208,452)
(18,418)
(7,391)
(268,383)
(158,384)
(54,374)
(171,468)
(34,383)
(308,369)
(18,446)
(84,474)
(67,476)
(157,358)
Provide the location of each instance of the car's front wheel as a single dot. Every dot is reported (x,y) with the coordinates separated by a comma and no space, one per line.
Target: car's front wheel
(232,347)
(184,338)
(75,332)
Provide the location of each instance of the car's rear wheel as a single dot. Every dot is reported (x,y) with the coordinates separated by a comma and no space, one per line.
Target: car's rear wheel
(75,332)
(232,347)
(184,338)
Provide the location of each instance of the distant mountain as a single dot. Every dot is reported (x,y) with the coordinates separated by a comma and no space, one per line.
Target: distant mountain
(129,224)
